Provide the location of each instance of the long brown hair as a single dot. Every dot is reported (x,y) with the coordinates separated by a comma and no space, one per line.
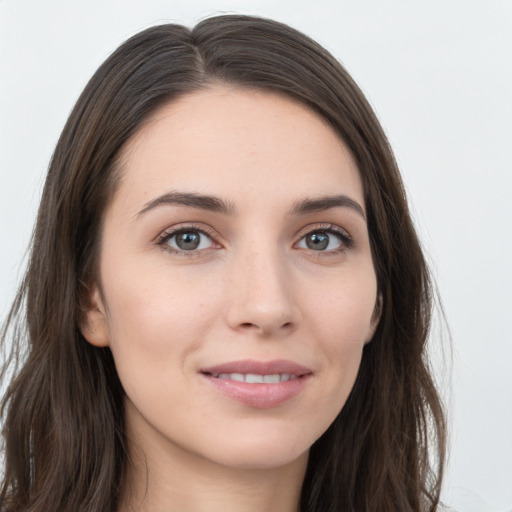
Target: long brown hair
(63,430)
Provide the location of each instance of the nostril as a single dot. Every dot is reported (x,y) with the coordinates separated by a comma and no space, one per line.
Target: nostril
(250,325)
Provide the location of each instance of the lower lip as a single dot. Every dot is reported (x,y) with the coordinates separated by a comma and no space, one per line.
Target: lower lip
(260,396)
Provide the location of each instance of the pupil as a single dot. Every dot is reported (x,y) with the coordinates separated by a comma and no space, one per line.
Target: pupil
(317,241)
(187,241)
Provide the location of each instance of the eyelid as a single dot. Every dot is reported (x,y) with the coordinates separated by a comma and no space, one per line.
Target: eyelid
(346,238)
(168,233)
(164,236)
(322,226)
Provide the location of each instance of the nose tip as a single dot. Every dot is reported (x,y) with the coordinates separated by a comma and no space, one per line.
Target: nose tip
(265,327)
(262,299)
(263,323)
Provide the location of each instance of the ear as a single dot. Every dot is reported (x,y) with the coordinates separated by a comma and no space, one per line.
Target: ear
(94,325)
(374,321)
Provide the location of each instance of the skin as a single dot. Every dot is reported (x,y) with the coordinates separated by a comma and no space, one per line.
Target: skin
(253,289)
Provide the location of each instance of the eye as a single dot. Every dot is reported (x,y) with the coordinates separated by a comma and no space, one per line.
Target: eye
(186,240)
(325,240)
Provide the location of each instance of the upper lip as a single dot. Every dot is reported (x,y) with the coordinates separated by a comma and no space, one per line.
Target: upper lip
(258,367)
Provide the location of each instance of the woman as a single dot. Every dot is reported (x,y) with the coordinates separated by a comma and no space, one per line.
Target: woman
(226,304)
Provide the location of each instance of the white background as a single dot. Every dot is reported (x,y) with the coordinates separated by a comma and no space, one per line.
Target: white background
(439,74)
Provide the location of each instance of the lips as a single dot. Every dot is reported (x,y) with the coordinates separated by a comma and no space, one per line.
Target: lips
(256,383)
(249,366)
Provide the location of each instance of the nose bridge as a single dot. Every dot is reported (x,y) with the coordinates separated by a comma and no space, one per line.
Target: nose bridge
(262,291)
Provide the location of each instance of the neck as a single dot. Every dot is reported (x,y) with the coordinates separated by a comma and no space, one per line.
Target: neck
(165,478)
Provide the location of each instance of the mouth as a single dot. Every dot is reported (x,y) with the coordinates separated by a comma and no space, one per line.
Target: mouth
(253,369)
(254,378)
(258,384)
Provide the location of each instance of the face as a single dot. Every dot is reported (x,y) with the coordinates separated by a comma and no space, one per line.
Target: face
(236,286)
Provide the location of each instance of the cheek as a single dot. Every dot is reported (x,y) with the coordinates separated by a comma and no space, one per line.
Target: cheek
(156,320)
(342,310)
(340,317)
(155,298)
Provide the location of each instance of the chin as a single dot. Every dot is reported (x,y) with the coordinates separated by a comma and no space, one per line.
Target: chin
(252,450)
(261,459)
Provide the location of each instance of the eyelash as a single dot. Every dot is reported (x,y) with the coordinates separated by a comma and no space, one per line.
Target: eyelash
(167,235)
(345,239)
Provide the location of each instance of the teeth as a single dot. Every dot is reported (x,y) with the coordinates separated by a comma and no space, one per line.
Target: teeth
(252,378)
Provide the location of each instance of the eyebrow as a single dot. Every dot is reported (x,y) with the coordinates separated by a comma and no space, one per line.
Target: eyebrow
(215,204)
(319,204)
(203,202)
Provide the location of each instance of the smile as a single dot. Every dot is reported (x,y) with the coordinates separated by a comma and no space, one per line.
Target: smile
(253,378)
(258,384)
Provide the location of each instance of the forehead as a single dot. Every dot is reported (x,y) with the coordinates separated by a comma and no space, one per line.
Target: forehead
(239,144)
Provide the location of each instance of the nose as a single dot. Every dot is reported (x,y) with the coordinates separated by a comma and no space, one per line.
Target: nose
(261,295)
